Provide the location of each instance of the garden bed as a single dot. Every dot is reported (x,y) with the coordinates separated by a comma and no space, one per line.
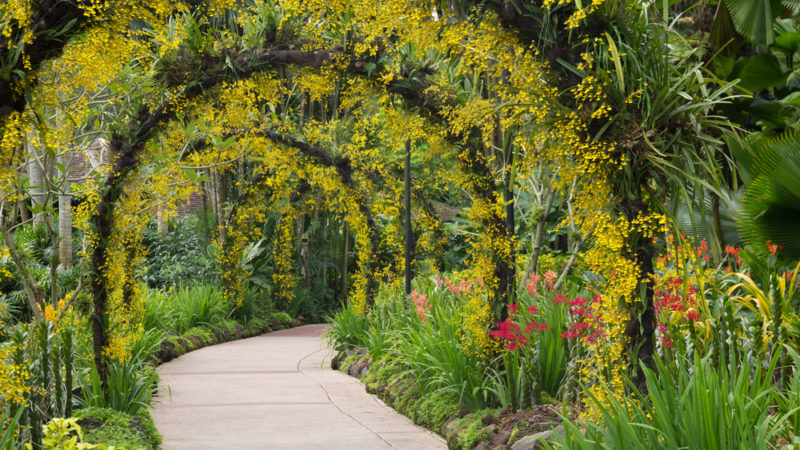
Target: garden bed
(441,412)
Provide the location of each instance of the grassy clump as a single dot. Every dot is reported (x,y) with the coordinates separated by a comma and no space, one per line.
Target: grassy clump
(115,428)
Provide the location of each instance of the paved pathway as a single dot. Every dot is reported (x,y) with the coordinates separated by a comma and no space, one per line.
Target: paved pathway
(275,391)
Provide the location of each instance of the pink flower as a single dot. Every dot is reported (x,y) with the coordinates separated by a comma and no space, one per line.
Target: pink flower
(421,304)
(533,284)
(550,279)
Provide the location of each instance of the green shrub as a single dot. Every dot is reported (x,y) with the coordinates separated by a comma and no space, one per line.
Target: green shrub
(348,329)
(284,319)
(159,310)
(131,386)
(436,352)
(178,257)
(199,304)
(709,409)
(111,427)
(434,410)
(256,304)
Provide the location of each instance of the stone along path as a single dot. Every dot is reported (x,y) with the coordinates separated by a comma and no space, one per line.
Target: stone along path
(275,391)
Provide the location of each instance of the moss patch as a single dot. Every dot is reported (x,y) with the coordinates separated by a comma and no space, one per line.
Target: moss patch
(110,427)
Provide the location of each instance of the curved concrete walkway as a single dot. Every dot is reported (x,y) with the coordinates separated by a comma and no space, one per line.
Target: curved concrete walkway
(275,391)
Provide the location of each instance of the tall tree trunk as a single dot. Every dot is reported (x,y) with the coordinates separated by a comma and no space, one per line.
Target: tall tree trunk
(36,182)
(220,195)
(641,326)
(204,194)
(22,209)
(65,218)
(538,233)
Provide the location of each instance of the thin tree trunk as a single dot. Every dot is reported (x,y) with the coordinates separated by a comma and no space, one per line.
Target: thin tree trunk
(219,201)
(22,209)
(32,292)
(538,234)
(204,195)
(65,219)
(36,182)
(640,329)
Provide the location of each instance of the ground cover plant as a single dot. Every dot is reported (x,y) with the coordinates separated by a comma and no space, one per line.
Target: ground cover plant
(589,197)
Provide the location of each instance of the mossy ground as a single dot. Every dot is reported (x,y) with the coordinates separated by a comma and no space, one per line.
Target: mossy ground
(114,428)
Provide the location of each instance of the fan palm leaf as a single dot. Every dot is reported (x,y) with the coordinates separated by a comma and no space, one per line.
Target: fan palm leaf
(771,202)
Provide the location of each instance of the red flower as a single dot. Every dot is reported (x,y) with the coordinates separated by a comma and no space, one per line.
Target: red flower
(773,248)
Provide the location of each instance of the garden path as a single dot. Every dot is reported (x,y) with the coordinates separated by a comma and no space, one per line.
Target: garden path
(275,391)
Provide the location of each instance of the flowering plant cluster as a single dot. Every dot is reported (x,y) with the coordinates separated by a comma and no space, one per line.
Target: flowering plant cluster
(421,303)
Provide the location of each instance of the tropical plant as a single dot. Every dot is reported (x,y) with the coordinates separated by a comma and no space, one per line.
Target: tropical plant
(770,206)
(699,407)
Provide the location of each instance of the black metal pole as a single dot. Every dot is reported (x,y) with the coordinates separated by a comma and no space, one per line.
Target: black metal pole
(407,209)
(508,198)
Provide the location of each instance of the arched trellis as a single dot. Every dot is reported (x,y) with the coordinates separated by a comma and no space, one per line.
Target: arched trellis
(128,145)
(343,168)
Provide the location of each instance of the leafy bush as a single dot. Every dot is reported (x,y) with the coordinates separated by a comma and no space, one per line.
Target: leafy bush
(348,329)
(131,386)
(111,427)
(710,408)
(159,310)
(197,304)
(178,257)
(46,354)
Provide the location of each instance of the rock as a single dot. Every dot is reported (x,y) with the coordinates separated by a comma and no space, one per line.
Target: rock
(482,446)
(337,360)
(534,441)
(500,447)
(359,368)
(499,439)
(451,427)
(488,429)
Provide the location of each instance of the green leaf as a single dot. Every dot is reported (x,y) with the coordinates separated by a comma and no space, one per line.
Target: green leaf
(753,18)
(788,41)
(761,72)
(190,173)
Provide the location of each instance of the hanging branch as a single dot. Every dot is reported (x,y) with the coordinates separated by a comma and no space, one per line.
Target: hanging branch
(53,24)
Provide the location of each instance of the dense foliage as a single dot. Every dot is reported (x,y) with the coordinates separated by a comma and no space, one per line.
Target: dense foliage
(591,196)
